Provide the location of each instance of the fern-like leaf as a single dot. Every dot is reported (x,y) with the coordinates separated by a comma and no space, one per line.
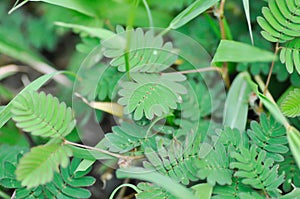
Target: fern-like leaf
(291,171)
(127,137)
(281,22)
(149,190)
(256,170)
(42,115)
(215,166)
(291,104)
(270,136)
(9,158)
(290,55)
(147,52)
(67,184)
(151,94)
(235,190)
(175,159)
(37,167)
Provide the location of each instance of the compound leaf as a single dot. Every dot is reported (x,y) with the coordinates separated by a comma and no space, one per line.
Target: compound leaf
(42,115)
(37,167)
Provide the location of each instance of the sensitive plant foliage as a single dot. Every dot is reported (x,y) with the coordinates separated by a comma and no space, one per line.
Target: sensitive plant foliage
(57,120)
(291,104)
(172,135)
(281,24)
(151,94)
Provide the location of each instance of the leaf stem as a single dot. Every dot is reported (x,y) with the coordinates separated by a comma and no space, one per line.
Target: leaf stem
(270,73)
(200,70)
(4,195)
(220,15)
(128,158)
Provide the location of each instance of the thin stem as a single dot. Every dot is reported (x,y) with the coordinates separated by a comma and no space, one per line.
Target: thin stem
(148,13)
(271,69)
(270,73)
(200,70)
(220,15)
(4,195)
(103,151)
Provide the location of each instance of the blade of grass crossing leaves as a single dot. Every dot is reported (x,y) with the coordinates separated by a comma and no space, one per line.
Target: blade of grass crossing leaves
(247,13)
(5,113)
(191,12)
(92,31)
(77,5)
(148,175)
(293,136)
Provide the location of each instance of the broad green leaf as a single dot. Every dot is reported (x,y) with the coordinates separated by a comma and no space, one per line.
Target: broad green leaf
(77,5)
(247,13)
(191,12)
(233,51)
(236,105)
(101,33)
(203,191)
(5,113)
(290,106)
(293,136)
(149,175)
(37,167)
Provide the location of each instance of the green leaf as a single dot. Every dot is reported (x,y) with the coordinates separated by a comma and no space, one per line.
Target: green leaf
(77,5)
(5,113)
(247,13)
(290,55)
(91,31)
(290,106)
(151,94)
(281,21)
(68,184)
(256,170)
(236,105)
(233,51)
(203,191)
(191,12)
(293,136)
(215,166)
(42,115)
(146,51)
(37,167)
(149,175)
(270,136)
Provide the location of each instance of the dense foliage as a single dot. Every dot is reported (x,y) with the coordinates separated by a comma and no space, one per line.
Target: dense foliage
(206,106)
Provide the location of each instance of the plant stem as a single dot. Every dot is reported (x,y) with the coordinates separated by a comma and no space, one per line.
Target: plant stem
(271,69)
(103,151)
(4,195)
(270,74)
(220,15)
(211,68)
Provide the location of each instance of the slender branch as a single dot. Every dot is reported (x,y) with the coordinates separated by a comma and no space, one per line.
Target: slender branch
(271,69)
(219,13)
(103,151)
(270,73)
(220,18)
(4,195)
(200,70)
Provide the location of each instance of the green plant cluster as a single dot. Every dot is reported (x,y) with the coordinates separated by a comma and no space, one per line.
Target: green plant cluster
(188,126)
